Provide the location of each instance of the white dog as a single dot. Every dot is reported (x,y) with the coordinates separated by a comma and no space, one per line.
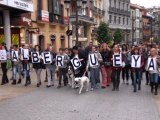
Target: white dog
(70,76)
(82,82)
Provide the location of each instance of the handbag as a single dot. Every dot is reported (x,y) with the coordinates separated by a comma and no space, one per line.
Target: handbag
(9,64)
(107,64)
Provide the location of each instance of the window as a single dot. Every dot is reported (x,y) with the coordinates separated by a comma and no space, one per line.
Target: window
(115,3)
(123,6)
(119,5)
(127,7)
(110,3)
(56,10)
(123,21)
(39,9)
(127,21)
(115,19)
(110,18)
(119,20)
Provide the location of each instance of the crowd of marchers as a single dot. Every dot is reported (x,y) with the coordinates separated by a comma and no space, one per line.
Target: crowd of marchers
(103,65)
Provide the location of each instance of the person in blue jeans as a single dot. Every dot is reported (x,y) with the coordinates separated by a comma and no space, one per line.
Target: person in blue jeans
(154,73)
(136,72)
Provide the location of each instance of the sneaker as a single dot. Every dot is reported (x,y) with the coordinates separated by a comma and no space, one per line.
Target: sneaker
(92,89)
(59,86)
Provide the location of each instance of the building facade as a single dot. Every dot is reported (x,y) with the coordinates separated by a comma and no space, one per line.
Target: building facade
(155,12)
(137,24)
(147,25)
(48,25)
(118,17)
(15,17)
(98,13)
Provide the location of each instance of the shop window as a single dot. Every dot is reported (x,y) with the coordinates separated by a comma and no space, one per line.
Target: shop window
(15,39)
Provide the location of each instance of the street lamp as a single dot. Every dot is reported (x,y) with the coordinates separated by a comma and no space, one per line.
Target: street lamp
(79,5)
(67,6)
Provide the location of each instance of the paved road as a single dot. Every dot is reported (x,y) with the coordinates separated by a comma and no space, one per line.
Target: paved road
(66,104)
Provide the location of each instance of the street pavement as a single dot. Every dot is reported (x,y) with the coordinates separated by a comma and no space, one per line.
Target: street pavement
(65,104)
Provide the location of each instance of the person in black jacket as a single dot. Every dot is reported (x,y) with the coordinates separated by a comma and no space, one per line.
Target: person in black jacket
(38,66)
(80,71)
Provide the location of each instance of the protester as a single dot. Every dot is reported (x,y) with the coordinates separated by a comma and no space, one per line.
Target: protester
(51,68)
(4,67)
(154,73)
(127,59)
(17,65)
(38,66)
(106,65)
(137,71)
(94,70)
(116,70)
(62,70)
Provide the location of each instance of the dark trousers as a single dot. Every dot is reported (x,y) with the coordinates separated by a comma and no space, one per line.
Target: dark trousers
(63,72)
(116,79)
(4,71)
(147,77)
(125,72)
(94,74)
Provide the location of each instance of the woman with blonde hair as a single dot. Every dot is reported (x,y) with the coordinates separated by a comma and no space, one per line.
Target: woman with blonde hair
(155,72)
(106,64)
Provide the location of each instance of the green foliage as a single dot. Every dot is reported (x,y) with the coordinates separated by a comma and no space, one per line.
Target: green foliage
(103,33)
(117,36)
(157,40)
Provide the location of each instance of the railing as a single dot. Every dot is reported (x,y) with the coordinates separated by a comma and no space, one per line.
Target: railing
(119,11)
(98,11)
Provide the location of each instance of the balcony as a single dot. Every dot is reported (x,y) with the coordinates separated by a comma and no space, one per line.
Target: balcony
(119,11)
(83,19)
(98,11)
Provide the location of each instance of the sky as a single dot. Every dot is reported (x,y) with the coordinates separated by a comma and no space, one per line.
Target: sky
(146,3)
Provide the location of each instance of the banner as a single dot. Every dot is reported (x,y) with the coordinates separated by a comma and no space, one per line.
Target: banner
(25,54)
(59,60)
(136,61)
(76,63)
(15,56)
(46,56)
(152,64)
(35,56)
(117,60)
(93,60)
(3,55)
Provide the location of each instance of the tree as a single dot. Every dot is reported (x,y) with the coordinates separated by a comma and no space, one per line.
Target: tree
(103,33)
(117,36)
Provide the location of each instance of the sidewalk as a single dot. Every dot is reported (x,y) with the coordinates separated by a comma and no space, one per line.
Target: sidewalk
(9,91)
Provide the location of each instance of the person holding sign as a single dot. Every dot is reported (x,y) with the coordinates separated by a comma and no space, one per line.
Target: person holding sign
(106,65)
(137,63)
(94,59)
(78,63)
(26,59)
(37,63)
(62,60)
(16,64)
(3,58)
(153,65)
(49,59)
(117,67)
(127,59)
